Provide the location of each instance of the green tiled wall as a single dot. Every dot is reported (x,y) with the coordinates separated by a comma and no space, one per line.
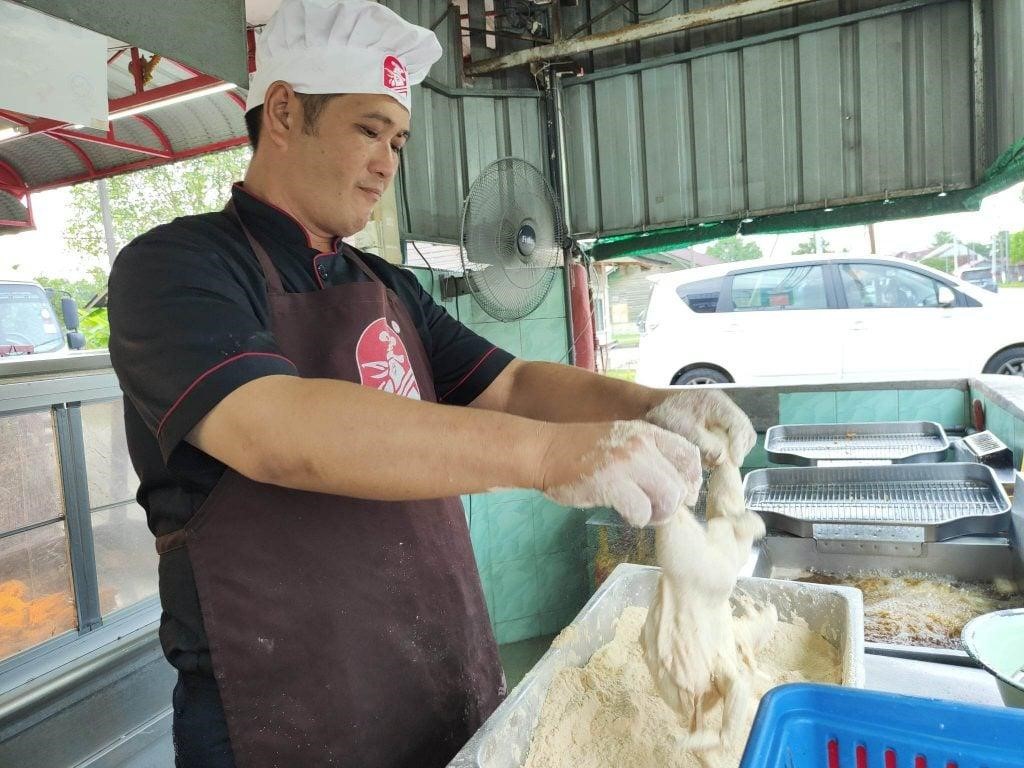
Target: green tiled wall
(1007,426)
(530,551)
(946,406)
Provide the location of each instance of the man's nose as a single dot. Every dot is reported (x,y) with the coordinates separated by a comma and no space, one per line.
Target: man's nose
(384,162)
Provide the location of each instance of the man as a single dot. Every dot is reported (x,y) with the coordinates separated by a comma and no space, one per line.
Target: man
(293,409)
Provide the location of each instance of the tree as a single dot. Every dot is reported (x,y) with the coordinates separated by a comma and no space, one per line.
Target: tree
(809,246)
(735,249)
(1017,248)
(140,201)
(982,249)
(942,238)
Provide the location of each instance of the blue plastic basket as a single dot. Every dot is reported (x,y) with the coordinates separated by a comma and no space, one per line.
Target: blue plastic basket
(824,726)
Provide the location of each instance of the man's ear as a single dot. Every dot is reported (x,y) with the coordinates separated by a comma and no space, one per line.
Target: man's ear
(280,111)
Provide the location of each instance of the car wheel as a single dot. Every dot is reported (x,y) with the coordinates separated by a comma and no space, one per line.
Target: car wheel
(1009,361)
(701,376)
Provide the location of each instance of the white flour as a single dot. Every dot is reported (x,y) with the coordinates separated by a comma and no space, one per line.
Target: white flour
(608,714)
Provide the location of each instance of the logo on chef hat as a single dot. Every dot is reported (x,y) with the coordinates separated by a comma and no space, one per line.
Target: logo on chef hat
(395,76)
(383,361)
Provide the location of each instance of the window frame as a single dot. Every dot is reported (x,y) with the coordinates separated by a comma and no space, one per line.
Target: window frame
(725,302)
(63,395)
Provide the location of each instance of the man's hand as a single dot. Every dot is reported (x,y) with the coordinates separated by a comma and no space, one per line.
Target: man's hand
(710,420)
(642,471)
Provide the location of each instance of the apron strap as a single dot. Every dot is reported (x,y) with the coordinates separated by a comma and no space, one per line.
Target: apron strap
(270,272)
(356,259)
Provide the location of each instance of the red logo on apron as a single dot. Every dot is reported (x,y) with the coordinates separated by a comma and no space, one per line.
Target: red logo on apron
(395,76)
(383,360)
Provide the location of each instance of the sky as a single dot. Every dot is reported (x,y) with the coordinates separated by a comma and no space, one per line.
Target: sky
(44,251)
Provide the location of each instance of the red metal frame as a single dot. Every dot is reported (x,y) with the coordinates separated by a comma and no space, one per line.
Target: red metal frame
(240,141)
(12,183)
(67,135)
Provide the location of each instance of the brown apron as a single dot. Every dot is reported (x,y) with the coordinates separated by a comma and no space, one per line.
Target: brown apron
(342,631)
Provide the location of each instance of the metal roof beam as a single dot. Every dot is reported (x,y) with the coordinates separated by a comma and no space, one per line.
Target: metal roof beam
(110,141)
(151,97)
(680,22)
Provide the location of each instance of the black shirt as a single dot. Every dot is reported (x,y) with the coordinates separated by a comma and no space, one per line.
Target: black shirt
(189,324)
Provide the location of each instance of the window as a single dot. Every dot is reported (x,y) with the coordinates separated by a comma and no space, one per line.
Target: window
(126,560)
(701,296)
(37,599)
(798,287)
(881,286)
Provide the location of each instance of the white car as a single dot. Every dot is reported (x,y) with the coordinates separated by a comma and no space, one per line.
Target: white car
(29,325)
(825,319)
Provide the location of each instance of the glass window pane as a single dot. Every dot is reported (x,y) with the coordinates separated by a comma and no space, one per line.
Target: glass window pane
(36,598)
(112,478)
(774,289)
(126,558)
(883,286)
(30,486)
(701,296)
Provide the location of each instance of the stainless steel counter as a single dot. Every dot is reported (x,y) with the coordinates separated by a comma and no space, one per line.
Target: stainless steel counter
(926,678)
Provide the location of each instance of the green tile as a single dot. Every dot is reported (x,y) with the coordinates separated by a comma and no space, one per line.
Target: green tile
(807,408)
(557,528)
(553,622)
(553,305)
(510,528)
(503,335)
(514,589)
(999,421)
(1018,443)
(517,630)
(868,405)
(946,406)
(487,582)
(757,458)
(561,580)
(545,339)
(520,657)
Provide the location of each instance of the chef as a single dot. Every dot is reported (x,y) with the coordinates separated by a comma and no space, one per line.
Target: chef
(303,418)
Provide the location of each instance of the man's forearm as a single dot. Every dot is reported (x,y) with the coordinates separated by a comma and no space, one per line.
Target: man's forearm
(564,393)
(343,438)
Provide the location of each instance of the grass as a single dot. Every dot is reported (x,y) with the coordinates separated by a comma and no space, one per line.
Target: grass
(1017,284)
(621,373)
(626,339)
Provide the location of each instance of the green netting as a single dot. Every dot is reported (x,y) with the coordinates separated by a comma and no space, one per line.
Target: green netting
(1007,170)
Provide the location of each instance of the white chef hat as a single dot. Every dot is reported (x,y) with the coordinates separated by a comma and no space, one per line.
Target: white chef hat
(341,46)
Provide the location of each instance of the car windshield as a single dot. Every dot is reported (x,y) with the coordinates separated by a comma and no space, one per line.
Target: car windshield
(27,319)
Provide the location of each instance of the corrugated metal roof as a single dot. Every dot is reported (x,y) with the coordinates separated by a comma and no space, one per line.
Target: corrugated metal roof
(53,154)
(853,112)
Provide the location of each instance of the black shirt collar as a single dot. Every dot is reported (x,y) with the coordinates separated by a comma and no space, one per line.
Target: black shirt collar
(272,225)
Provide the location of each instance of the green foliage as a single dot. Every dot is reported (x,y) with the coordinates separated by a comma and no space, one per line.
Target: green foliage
(938,262)
(808,247)
(96,328)
(140,201)
(1017,247)
(80,290)
(982,249)
(942,238)
(735,249)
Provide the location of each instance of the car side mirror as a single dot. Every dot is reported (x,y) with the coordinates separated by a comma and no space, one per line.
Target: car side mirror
(946,296)
(76,340)
(69,308)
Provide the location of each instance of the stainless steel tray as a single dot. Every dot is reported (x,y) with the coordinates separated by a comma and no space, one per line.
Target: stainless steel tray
(837,613)
(971,558)
(895,502)
(808,445)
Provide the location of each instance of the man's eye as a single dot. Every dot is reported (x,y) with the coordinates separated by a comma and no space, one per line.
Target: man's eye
(397,148)
(369,131)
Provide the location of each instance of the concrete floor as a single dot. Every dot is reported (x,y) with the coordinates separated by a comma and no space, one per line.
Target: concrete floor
(518,658)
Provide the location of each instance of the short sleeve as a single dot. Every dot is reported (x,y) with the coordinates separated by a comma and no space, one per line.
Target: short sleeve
(464,363)
(187,328)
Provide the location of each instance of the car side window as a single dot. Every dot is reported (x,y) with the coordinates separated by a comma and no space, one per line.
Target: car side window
(797,287)
(701,296)
(887,287)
